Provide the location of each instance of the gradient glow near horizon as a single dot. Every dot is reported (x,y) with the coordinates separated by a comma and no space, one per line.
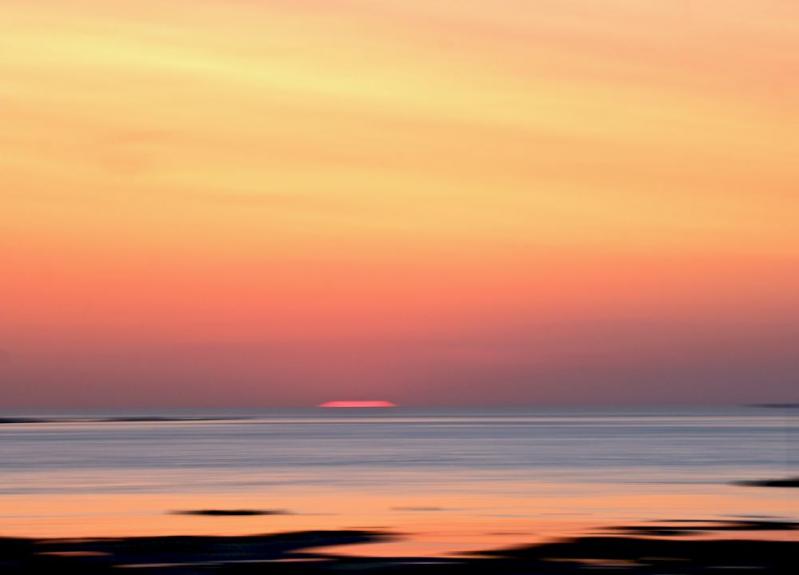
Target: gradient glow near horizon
(218,203)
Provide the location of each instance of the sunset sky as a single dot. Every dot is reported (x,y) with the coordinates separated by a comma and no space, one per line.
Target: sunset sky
(284,202)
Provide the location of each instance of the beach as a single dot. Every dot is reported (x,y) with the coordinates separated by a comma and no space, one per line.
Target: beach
(469,489)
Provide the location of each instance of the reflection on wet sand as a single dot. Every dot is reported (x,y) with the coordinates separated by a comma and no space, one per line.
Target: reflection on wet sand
(435,521)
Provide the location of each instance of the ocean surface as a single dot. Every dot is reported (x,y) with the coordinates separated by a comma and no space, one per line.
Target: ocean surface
(443,480)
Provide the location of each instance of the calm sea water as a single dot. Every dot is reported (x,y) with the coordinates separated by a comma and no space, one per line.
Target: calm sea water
(449,476)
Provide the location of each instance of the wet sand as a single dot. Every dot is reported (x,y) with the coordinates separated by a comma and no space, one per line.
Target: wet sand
(658,548)
(445,493)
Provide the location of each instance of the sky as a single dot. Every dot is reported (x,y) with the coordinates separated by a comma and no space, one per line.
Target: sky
(218,203)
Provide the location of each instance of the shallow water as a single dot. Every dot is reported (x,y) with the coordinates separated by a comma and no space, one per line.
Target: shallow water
(447,479)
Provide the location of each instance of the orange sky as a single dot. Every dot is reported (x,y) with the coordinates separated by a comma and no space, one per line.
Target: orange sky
(215,202)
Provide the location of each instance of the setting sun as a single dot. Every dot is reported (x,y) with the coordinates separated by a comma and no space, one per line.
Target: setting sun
(358,404)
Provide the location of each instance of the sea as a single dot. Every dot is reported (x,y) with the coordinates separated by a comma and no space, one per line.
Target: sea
(439,481)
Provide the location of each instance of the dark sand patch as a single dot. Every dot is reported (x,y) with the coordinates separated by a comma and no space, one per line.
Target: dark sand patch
(122,419)
(652,556)
(780,482)
(788,405)
(232,512)
(11,420)
(695,527)
(163,554)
